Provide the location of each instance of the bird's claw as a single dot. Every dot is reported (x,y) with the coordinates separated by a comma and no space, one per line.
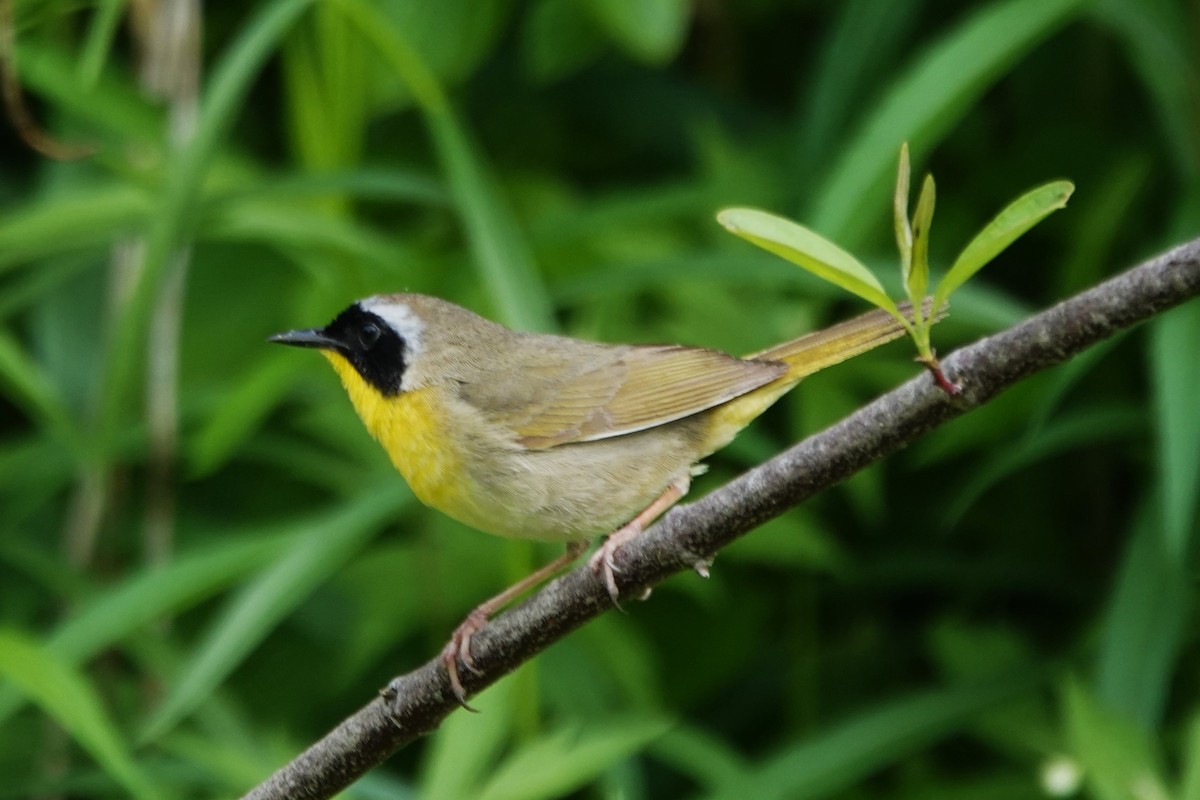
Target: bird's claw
(458,651)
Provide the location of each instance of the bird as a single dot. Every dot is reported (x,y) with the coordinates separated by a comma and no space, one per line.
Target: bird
(546,437)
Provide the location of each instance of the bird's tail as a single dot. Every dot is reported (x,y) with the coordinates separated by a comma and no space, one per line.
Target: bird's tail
(833,345)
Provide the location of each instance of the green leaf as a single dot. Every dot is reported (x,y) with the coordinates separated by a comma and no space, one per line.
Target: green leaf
(500,251)
(1087,427)
(29,387)
(68,221)
(918,277)
(900,222)
(560,37)
(100,35)
(842,754)
(1176,389)
(926,101)
(1145,625)
(562,761)
(463,749)
(241,410)
(1190,783)
(1161,51)
(801,246)
(173,220)
(649,30)
(118,612)
(321,549)
(67,697)
(700,755)
(1006,227)
(1116,755)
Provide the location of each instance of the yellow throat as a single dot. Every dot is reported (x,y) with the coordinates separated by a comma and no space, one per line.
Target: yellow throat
(409,425)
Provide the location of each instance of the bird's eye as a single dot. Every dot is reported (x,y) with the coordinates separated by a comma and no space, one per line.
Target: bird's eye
(368,335)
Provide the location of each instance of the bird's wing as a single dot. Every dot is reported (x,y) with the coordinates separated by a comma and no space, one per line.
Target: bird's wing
(639,388)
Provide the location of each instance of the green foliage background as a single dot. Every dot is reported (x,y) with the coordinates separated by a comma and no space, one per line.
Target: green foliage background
(1005,605)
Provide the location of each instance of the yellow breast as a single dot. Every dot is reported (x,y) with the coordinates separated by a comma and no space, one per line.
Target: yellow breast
(411,428)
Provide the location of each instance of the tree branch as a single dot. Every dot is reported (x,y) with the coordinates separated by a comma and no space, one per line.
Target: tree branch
(414,704)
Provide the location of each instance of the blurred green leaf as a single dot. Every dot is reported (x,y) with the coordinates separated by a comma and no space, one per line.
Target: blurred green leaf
(566,759)
(857,747)
(1118,761)
(649,30)
(241,411)
(1083,429)
(1176,393)
(496,242)
(1190,783)
(1145,625)
(1162,53)
(925,101)
(28,387)
(463,750)
(173,219)
(99,39)
(560,37)
(319,549)
(70,220)
(121,610)
(69,699)
(701,756)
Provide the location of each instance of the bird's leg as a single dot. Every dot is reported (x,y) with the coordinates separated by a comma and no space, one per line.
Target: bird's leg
(602,559)
(459,647)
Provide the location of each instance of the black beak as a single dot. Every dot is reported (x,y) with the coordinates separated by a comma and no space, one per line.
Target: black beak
(310,337)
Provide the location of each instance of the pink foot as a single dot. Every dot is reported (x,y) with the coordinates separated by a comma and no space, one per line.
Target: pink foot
(601,561)
(458,650)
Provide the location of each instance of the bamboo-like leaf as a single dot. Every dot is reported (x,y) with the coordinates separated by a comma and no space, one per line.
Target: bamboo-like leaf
(1006,227)
(1189,788)
(501,252)
(174,218)
(29,387)
(840,754)
(925,101)
(100,36)
(802,246)
(1176,383)
(250,616)
(562,761)
(66,696)
(117,612)
(1116,754)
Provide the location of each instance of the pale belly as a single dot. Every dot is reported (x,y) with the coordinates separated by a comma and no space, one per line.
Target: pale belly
(564,493)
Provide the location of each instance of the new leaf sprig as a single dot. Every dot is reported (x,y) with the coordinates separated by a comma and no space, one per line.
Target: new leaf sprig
(829,262)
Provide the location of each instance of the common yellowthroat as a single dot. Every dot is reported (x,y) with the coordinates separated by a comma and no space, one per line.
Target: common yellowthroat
(546,437)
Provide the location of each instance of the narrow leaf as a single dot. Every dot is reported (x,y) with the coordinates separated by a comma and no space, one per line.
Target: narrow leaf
(565,760)
(1116,755)
(1006,227)
(904,234)
(66,696)
(801,246)
(918,277)
(503,256)
(1176,387)
(926,101)
(843,754)
(119,611)
(262,604)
